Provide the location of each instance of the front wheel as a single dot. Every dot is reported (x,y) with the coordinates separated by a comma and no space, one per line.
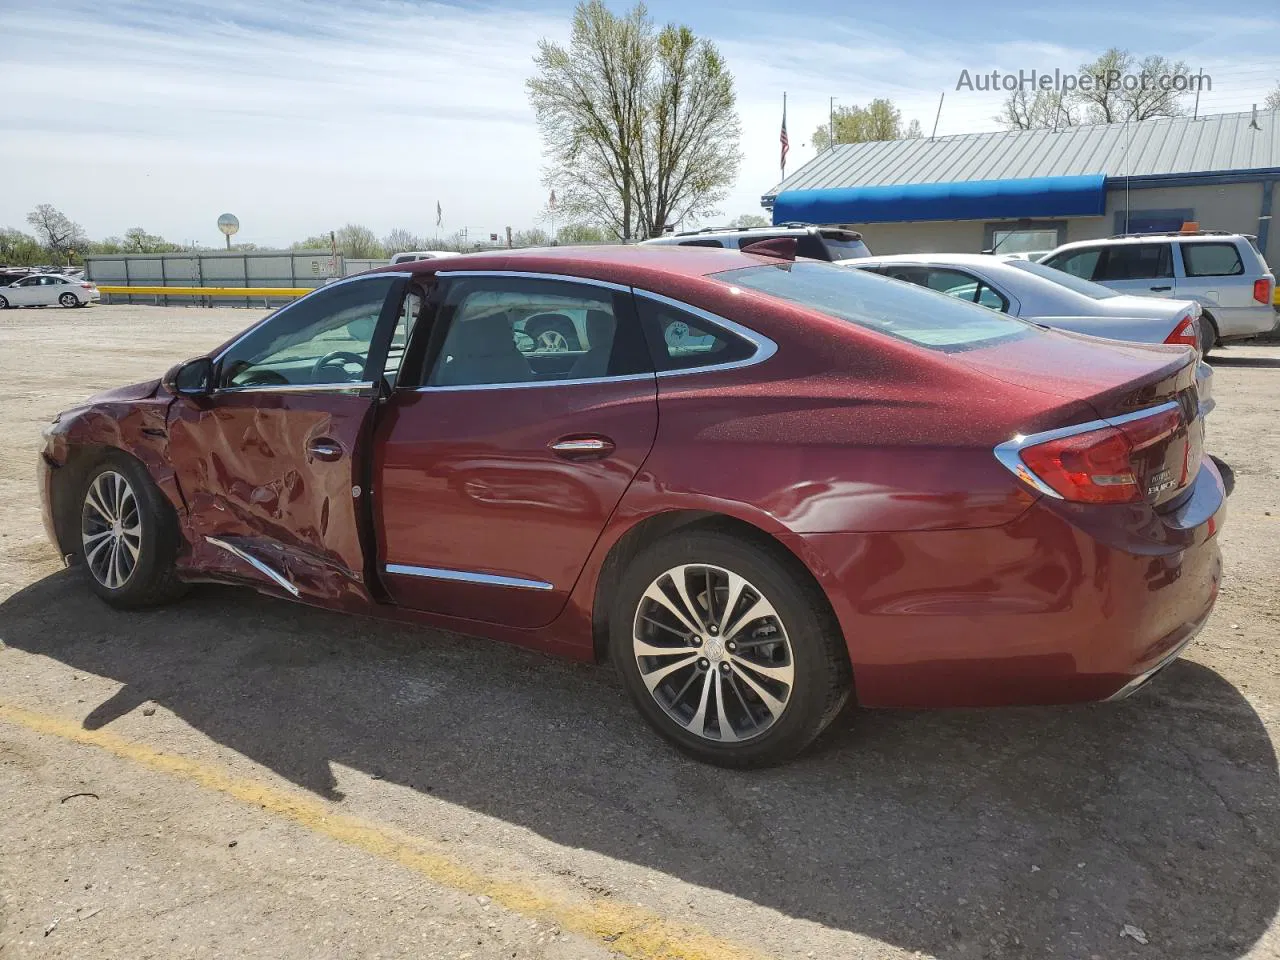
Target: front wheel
(4,304)
(727,652)
(128,536)
(69,299)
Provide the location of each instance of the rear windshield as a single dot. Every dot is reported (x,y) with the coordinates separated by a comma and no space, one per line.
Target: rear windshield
(900,310)
(843,248)
(1080,285)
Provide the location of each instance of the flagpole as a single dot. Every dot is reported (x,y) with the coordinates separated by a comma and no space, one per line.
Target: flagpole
(784,127)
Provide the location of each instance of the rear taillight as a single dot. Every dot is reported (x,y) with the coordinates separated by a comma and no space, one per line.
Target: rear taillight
(1185,333)
(1262,290)
(1117,461)
(87,286)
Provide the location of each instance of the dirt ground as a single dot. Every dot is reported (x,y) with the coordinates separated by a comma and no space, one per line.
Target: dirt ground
(238,776)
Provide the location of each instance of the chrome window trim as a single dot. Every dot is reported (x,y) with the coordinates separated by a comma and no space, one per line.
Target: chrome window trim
(1009,453)
(466,576)
(306,296)
(765,348)
(455,388)
(522,275)
(276,577)
(298,388)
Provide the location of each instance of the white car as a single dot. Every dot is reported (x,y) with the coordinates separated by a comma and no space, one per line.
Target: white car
(1033,291)
(47,290)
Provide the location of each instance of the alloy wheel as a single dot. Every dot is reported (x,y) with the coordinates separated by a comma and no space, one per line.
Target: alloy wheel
(713,652)
(552,341)
(69,300)
(111,529)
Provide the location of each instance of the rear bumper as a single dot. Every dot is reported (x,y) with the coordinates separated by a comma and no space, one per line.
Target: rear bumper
(1235,323)
(1045,609)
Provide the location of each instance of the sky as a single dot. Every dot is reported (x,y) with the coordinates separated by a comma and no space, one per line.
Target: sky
(299,116)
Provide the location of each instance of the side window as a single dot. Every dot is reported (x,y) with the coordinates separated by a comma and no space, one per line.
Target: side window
(32,281)
(1211,260)
(992,298)
(1078,263)
(811,246)
(324,338)
(504,330)
(681,340)
(704,242)
(1138,261)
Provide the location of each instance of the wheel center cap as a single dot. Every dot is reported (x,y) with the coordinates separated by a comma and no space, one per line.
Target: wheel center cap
(713,649)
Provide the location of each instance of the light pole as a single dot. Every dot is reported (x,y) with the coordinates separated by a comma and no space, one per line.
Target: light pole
(831,123)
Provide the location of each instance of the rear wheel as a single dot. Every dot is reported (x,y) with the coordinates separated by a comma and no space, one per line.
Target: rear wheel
(128,535)
(4,304)
(69,299)
(726,651)
(1208,336)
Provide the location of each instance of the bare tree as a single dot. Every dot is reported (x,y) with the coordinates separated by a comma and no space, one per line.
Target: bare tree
(582,233)
(1119,88)
(400,239)
(1046,109)
(638,124)
(878,120)
(1272,102)
(533,237)
(57,231)
(137,240)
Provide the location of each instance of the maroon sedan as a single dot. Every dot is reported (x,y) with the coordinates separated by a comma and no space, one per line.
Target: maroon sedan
(758,485)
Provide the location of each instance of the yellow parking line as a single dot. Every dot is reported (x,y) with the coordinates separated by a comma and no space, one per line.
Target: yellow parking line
(626,930)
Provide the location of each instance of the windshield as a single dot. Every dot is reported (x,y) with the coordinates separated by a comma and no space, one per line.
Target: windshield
(1090,289)
(900,310)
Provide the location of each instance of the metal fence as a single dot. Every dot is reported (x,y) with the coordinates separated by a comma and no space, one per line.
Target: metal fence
(257,268)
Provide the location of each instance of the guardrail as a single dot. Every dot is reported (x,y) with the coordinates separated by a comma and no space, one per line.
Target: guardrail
(238,292)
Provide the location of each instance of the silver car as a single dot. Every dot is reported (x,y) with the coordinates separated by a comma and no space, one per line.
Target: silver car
(1223,272)
(1033,291)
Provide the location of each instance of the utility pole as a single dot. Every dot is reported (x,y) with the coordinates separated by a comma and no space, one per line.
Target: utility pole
(831,122)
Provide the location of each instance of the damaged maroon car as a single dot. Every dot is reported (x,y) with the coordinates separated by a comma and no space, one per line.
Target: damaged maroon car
(758,485)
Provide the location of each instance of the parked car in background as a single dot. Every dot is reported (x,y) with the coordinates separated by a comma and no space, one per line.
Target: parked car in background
(410,256)
(850,484)
(1036,255)
(1224,272)
(48,289)
(816,243)
(1033,291)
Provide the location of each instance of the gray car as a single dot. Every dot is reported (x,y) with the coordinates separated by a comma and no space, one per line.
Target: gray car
(1223,272)
(1033,291)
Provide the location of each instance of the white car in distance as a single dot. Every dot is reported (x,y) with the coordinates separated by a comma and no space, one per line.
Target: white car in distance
(47,290)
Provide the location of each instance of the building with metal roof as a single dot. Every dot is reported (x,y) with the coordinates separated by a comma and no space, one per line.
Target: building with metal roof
(1034,189)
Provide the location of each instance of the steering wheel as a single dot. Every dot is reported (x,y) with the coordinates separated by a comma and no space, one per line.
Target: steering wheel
(335,362)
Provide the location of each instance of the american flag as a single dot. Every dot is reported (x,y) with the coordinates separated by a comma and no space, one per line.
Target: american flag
(782,138)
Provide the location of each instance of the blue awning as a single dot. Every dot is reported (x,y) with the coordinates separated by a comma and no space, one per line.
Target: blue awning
(1083,196)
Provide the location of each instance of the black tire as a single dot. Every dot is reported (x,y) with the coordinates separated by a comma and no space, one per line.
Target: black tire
(1208,335)
(153,579)
(69,300)
(4,304)
(566,330)
(817,654)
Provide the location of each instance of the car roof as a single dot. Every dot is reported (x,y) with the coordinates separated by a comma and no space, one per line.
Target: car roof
(1155,238)
(971,259)
(618,263)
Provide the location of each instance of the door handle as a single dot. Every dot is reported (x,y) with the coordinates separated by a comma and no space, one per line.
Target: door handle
(1162,288)
(582,448)
(325,449)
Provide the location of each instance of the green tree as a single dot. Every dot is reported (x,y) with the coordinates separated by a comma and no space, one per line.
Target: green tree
(19,249)
(1272,102)
(638,124)
(61,235)
(749,220)
(319,241)
(582,233)
(357,242)
(533,237)
(137,240)
(878,120)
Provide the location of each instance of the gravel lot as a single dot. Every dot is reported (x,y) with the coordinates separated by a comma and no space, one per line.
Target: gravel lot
(237,775)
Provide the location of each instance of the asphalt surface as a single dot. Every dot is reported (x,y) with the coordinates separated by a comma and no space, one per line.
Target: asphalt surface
(235,775)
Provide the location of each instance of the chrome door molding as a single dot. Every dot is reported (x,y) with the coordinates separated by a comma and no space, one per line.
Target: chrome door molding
(529,275)
(467,576)
(273,575)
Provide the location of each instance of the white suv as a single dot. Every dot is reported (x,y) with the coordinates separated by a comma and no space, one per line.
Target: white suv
(1223,272)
